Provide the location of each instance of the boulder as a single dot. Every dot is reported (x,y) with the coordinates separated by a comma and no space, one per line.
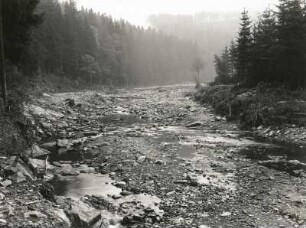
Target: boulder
(38,166)
(63,143)
(68,170)
(60,215)
(6,183)
(82,215)
(35,151)
(85,169)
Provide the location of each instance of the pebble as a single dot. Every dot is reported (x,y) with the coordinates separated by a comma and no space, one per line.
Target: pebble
(159,162)
(34,214)
(120,184)
(226,214)
(141,159)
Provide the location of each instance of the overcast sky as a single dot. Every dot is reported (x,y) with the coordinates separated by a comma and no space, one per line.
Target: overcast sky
(137,11)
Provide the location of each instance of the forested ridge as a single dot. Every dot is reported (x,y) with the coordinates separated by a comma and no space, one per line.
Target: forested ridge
(272,50)
(85,46)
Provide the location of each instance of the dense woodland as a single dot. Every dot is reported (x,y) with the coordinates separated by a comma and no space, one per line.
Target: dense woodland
(47,37)
(272,50)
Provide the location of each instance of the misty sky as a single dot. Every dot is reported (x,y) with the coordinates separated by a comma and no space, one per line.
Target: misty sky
(137,11)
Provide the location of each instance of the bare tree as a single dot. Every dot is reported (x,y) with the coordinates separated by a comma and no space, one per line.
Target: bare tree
(197,67)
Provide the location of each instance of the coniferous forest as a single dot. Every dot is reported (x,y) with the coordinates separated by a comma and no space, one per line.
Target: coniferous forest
(272,50)
(47,37)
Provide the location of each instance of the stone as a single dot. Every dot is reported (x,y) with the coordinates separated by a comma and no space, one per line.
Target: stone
(159,162)
(35,151)
(218,118)
(60,214)
(116,196)
(48,177)
(70,102)
(57,164)
(141,159)
(38,164)
(46,95)
(82,215)
(194,124)
(49,145)
(271,133)
(3,222)
(91,133)
(20,177)
(226,214)
(68,170)
(34,214)
(6,183)
(63,143)
(18,165)
(120,184)
(126,193)
(2,196)
(85,169)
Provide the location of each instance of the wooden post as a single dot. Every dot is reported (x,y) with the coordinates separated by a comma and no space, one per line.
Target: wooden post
(2,70)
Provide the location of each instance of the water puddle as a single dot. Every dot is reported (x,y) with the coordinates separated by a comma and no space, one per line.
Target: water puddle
(70,155)
(285,151)
(121,119)
(282,157)
(85,184)
(196,136)
(76,187)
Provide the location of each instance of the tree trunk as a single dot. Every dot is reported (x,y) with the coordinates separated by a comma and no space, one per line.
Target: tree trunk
(2,71)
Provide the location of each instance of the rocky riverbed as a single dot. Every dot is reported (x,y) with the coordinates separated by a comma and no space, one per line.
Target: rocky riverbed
(149,157)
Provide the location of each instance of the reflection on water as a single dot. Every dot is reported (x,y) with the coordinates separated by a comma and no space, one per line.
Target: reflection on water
(121,119)
(84,184)
(289,152)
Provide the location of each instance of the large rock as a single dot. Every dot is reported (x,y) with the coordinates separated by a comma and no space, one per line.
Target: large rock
(82,215)
(18,167)
(38,166)
(35,151)
(63,143)
(68,170)
(60,215)
(85,169)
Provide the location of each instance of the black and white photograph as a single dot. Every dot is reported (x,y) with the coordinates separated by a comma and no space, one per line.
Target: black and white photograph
(153,114)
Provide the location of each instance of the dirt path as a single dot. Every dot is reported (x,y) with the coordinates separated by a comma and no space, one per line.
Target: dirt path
(155,158)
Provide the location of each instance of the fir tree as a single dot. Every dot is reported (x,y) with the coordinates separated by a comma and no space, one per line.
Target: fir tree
(244,43)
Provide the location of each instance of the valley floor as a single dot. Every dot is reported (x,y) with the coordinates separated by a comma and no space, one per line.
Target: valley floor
(152,157)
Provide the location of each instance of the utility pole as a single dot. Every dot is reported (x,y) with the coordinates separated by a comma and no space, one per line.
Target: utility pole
(2,70)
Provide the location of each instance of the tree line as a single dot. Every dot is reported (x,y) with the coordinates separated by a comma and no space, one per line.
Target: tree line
(272,50)
(49,37)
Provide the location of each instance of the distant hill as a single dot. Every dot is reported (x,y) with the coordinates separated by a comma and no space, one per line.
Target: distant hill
(211,30)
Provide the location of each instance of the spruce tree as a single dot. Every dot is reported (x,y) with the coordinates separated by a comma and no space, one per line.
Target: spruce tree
(291,40)
(18,19)
(244,43)
(265,49)
(223,67)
